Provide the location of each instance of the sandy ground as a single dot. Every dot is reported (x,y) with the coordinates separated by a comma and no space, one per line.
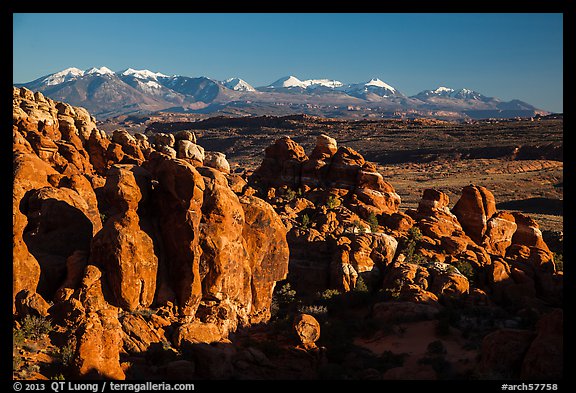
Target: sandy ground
(414,341)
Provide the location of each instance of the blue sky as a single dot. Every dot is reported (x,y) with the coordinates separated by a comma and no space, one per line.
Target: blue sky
(502,55)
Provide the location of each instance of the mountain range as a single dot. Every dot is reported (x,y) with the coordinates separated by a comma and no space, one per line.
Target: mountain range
(106,94)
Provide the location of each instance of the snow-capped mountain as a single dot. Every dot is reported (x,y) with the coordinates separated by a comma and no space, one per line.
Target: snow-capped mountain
(374,87)
(99,71)
(143,74)
(237,84)
(62,76)
(447,92)
(291,81)
(106,93)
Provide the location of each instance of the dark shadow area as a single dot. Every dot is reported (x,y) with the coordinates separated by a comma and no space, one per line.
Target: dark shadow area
(535,205)
(54,231)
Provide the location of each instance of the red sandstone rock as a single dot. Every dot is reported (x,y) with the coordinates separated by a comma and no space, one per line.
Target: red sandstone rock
(308,330)
(499,231)
(265,239)
(99,341)
(474,208)
(179,202)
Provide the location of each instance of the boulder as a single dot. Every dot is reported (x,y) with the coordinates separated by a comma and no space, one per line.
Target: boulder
(99,341)
(474,208)
(224,260)
(282,163)
(217,160)
(138,334)
(162,139)
(308,330)
(499,231)
(31,303)
(186,135)
(325,148)
(187,149)
(196,332)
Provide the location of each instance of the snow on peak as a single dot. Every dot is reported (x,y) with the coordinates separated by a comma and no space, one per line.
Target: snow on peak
(238,84)
(292,81)
(144,74)
(322,82)
(443,89)
(378,83)
(288,81)
(100,71)
(63,76)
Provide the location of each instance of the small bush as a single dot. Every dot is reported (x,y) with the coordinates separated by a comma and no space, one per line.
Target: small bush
(305,221)
(409,245)
(373,222)
(314,310)
(559,261)
(286,294)
(58,377)
(35,327)
(17,337)
(360,285)
(466,269)
(333,202)
(67,354)
(290,194)
(16,362)
(329,294)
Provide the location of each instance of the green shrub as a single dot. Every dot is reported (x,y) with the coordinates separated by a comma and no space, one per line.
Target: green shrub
(290,194)
(35,327)
(466,269)
(329,294)
(17,337)
(16,362)
(305,221)
(67,354)
(409,245)
(58,377)
(360,285)
(559,261)
(373,222)
(314,310)
(333,202)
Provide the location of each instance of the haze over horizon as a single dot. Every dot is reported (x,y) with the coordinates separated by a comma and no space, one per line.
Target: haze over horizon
(510,56)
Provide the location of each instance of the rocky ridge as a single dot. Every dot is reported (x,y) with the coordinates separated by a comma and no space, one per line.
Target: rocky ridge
(107,227)
(135,244)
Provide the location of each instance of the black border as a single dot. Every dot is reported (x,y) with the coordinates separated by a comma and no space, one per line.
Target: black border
(382,6)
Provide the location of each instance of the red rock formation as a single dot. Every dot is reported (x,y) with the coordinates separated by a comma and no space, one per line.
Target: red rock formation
(282,163)
(499,231)
(99,340)
(308,330)
(179,202)
(474,208)
(434,217)
(267,248)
